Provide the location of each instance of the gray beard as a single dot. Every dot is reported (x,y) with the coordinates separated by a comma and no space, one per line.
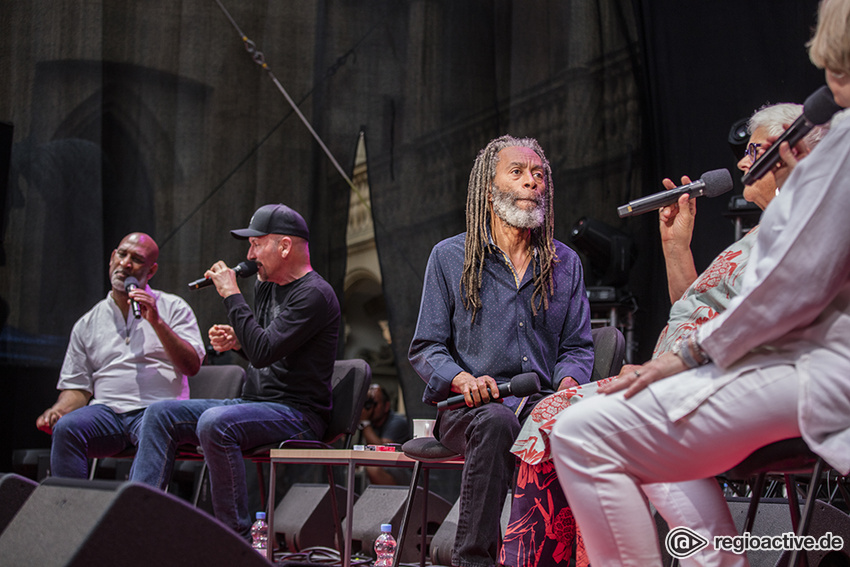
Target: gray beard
(505,208)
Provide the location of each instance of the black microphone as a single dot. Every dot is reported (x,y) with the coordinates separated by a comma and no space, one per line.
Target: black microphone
(243,270)
(131,283)
(818,108)
(711,184)
(520,385)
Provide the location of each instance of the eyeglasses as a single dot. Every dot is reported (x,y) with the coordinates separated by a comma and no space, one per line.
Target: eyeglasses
(752,152)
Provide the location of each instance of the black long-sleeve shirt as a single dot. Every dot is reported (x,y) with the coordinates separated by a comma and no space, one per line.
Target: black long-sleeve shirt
(290,339)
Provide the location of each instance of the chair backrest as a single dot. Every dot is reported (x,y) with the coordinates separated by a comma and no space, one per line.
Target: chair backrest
(609,352)
(217,382)
(350,383)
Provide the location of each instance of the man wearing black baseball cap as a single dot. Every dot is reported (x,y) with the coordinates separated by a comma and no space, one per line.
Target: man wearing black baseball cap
(290,340)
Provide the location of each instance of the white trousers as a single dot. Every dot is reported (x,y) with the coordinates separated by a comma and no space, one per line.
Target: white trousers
(608,451)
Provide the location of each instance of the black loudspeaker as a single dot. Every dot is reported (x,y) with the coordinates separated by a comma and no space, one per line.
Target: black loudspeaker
(385,505)
(444,540)
(304,518)
(69,522)
(14,491)
(774,518)
(826,519)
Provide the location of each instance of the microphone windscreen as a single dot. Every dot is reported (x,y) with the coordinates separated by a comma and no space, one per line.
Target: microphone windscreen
(717,182)
(130,283)
(246,268)
(525,384)
(820,106)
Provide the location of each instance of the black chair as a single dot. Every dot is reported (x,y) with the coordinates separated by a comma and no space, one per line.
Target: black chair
(609,348)
(350,383)
(788,458)
(609,352)
(211,382)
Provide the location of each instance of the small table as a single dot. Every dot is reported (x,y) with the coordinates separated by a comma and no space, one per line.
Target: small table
(337,457)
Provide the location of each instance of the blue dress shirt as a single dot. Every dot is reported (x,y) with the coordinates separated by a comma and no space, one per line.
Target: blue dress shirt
(506,339)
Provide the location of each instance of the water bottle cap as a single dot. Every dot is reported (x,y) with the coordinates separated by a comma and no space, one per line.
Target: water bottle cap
(261,515)
(386,527)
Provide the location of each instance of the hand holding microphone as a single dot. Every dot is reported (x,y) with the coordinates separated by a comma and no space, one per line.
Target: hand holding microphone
(818,109)
(131,283)
(520,385)
(243,270)
(711,184)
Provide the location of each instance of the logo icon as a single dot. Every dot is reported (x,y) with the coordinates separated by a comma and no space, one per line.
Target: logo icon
(683,542)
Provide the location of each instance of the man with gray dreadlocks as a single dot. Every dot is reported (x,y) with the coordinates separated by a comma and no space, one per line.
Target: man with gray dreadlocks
(502,299)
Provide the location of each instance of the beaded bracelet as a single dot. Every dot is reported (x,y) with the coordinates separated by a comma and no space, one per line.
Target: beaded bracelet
(689,351)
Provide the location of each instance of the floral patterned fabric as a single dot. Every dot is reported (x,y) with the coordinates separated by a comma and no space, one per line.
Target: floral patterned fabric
(710,293)
(541,531)
(542,528)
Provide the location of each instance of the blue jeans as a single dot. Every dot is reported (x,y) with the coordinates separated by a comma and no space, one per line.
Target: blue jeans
(223,429)
(484,436)
(93,431)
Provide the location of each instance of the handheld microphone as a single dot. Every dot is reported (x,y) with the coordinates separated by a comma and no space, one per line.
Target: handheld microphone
(131,283)
(711,184)
(243,270)
(818,108)
(520,385)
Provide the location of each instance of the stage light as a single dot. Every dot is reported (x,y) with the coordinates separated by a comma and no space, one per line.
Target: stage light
(738,138)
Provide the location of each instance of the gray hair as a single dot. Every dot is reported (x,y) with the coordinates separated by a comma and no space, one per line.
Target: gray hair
(774,117)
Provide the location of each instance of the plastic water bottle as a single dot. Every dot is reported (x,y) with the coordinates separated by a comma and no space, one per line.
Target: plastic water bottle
(385,547)
(260,534)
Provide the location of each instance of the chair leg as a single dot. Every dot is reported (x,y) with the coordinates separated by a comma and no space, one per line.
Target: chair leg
(843,489)
(93,468)
(335,509)
(808,510)
(272,540)
(408,509)
(755,497)
(261,483)
(793,501)
(424,524)
(202,478)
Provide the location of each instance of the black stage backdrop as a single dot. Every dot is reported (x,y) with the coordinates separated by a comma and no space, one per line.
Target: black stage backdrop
(152,116)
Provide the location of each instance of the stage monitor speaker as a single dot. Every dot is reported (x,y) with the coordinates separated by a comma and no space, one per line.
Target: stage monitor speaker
(826,518)
(81,523)
(304,518)
(444,540)
(14,491)
(381,504)
(774,518)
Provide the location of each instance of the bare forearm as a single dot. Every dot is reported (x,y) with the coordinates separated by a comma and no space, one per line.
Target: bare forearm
(179,350)
(681,272)
(68,401)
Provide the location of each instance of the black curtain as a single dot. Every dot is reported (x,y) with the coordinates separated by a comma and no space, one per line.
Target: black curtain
(562,72)
(153,116)
(708,65)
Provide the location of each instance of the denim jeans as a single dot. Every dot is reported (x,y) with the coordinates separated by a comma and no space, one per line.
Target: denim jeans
(484,436)
(223,429)
(92,431)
